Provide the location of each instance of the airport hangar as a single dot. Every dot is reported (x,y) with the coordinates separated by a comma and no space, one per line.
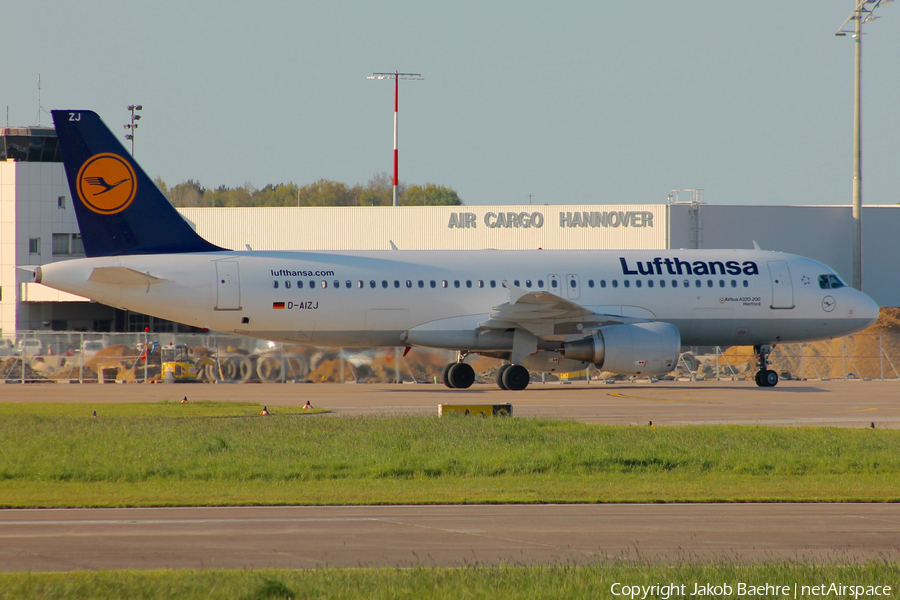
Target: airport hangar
(38,225)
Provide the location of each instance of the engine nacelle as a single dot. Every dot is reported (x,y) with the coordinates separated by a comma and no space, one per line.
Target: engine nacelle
(632,349)
(551,362)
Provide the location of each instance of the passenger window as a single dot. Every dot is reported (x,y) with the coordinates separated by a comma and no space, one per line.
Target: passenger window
(299,284)
(733,283)
(709,283)
(444,283)
(433,283)
(360,284)
(721,283)
(746,283)
(493,283)
(480,283)
(396,284)
(638,283)
(590,283)
(675,283)
(649,283)
(468,283)
(384,283)
(615,283)
(572,284)
(287,285)
(553,283)
(312,283)
(627,283)
(541,283)
(337,284)
(528,283)
(421,283)
(372,283)
(516,283)
(662,283)
(348,284)
(275,284)
(324,284)
(603,283)
(697,283)
(408,283)
(456,283)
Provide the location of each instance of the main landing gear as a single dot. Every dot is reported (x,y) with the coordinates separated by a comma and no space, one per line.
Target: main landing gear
(765,377)
(513,377)
(459,375)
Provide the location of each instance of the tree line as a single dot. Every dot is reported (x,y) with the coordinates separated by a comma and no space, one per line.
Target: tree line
(324,192)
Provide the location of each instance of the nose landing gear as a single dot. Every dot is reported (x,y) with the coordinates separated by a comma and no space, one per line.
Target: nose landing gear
(765,377)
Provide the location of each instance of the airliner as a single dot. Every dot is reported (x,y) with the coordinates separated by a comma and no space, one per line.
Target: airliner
(558,311)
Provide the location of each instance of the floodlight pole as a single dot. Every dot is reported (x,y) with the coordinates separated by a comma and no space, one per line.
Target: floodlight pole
(862,13)
(857,159)
(133,125)
(397,76)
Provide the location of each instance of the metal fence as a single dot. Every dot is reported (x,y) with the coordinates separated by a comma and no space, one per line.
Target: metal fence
(860,356)
(41,356)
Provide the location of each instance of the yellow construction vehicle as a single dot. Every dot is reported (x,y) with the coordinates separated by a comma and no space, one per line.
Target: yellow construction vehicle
(179,364)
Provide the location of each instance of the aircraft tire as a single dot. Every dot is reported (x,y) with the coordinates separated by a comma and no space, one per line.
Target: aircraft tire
(770,378)
(270,369)
(237,368)
(500,374)
(445,376)
(516,378)
(461,375)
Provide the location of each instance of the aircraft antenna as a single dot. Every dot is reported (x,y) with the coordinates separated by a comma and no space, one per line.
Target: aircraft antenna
(396,76)
(39,101)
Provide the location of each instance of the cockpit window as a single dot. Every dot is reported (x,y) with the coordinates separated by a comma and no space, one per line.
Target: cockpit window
(830,282)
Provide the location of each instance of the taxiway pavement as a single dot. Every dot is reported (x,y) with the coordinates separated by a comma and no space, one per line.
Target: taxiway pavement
(403,536)
(791,403)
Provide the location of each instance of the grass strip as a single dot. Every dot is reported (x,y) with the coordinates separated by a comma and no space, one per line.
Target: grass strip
(508,582)
(171,409)
(137,460)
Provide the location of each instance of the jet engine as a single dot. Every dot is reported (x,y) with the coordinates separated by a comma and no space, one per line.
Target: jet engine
(631,349)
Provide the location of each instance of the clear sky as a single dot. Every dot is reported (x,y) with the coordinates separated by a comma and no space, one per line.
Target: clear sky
(593,102)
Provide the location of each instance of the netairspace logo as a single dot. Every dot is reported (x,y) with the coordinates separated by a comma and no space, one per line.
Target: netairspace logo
(665,591)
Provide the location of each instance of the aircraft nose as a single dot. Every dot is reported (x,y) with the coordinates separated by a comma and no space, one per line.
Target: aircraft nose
(866,309)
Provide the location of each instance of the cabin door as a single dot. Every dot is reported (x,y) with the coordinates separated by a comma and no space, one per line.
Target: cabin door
(228,285)
(782,290)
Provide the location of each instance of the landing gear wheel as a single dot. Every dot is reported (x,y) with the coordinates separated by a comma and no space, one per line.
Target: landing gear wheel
(460,376)
(500,374)
(765,377)
(516,378)
(445,376)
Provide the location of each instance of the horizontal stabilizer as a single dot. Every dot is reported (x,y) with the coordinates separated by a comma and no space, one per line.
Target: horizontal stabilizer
(122,276)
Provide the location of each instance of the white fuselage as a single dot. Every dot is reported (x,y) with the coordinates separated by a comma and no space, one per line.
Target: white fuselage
(388,298)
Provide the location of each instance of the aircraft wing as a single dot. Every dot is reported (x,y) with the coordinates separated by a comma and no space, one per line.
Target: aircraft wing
(545,314)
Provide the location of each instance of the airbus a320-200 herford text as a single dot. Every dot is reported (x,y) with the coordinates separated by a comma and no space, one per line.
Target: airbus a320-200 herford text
(627,312)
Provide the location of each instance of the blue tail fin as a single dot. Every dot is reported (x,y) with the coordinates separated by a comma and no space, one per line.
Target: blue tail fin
(119,209)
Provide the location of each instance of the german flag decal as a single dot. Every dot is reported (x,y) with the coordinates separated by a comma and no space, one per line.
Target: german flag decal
(278,305)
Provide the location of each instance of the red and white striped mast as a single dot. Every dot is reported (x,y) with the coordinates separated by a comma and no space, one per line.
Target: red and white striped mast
(396,76)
